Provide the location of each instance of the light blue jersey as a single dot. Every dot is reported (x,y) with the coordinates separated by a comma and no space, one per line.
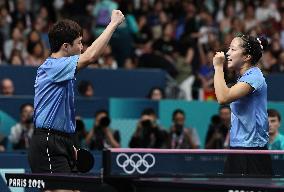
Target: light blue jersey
(54,94)
(249,114)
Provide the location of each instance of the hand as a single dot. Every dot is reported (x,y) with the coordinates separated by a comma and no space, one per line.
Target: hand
(117,17)
(219,59)
(2,148)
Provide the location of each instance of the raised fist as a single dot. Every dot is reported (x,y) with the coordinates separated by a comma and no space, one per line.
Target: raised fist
(117,17)
(219,59)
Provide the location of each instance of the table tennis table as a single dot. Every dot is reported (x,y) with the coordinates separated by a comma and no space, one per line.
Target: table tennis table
(158,170)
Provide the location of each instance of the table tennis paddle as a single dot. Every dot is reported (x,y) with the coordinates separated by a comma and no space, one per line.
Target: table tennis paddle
(85,160)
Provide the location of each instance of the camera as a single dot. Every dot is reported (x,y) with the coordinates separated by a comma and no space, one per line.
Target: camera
(104,122)
(147,127)
(179,129)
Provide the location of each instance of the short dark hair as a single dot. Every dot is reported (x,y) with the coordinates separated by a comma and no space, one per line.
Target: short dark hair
(254,46)
(101,111)
(148,111)
(274,113)
(64,31)
(177,111)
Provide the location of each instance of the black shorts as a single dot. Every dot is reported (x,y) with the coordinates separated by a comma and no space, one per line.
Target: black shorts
(51,152)
(248,164)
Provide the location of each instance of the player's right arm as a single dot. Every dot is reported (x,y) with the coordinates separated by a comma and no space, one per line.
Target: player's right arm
(96,49)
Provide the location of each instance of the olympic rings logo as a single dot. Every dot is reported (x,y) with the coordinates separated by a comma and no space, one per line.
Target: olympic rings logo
(136,162)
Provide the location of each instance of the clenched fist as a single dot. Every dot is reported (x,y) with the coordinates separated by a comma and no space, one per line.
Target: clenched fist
(117,17)
(219,59)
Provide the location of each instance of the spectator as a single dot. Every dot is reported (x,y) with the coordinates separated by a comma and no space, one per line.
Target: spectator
(275,46)
(156,94)
(86,88)
(167,45)
(181,137)
(173,27)
(144,33)
(206,73)
(41,25)
(267,10)
(5,22)
(22,132)
(276,140)
(226,21)
(107,60)
(130,63)
(16,42)
(87,38)
(249,20)
(189,35)
(16,58)
(155,20)
(269,62)
(150,59)
(21,14)
(7,87)
(101,136)
(217,133)
(148,134)
(36,49)
(32,38)
(36,57)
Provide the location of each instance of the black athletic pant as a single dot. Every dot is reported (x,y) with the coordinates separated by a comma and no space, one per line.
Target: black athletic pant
(248,164)
(51,151)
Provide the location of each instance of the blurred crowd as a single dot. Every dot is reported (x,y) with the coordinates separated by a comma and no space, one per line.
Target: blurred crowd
(148,132)
(180,37)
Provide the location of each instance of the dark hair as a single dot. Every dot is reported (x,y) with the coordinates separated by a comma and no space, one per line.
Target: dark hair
(101,111)
(176,112)
(42,48)
(148,111)
(83,86)
(152,91)
(25,105)
(274,113)
(254,46)
(224,107)
(64,31)
(16,53)
(31,44)
(215,120)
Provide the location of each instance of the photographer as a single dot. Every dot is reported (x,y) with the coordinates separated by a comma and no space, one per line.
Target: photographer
(148,134)
(219,128)
(100,136)
(181,137)
(22,132)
